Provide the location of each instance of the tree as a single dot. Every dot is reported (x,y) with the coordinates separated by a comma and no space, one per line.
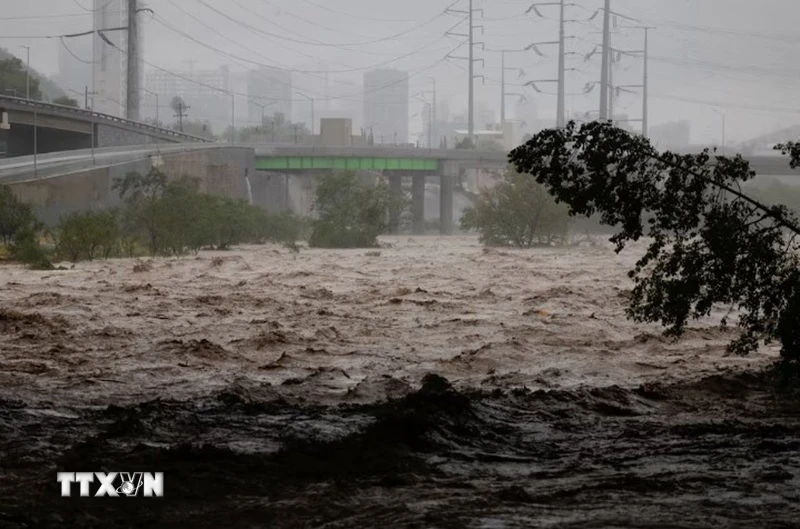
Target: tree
(14,79)
(66,101)
(16,217)
(351,214)
(517,212)
(465,143)
(710,244)
(142,194)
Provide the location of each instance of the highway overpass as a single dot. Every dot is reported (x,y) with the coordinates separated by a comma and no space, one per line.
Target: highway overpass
(66,181)
(44,127)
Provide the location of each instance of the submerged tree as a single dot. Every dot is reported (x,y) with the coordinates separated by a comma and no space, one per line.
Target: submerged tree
(517,212)
(350,213)
(710,243)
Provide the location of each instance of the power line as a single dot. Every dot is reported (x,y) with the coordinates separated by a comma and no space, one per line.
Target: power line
(343,45)
(169,26)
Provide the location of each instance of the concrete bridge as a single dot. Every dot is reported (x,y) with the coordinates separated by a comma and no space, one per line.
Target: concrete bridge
(38,127)
(74,180)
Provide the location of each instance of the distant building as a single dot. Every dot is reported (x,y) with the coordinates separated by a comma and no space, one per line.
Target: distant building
(675,135)
(203,91)
(386,106)
(270,87)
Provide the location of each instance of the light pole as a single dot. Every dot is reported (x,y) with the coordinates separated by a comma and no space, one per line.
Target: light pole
(263,109)
(723,127)
(91,123)
(28,68)
(312,112)
(432,123)
(158,123)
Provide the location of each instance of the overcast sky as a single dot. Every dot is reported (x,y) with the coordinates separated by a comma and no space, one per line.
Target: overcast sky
(733,55)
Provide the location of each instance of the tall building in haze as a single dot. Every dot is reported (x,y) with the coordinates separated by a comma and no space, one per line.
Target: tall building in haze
(386,105)
(110,57)
(272,87)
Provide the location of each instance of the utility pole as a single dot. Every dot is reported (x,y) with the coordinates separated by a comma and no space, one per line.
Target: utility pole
(611,91)
(28,71)
(471,59)
(560,118)
(181,113)
(471,111)
(86,94)
(645,129)
(432,115)
(132,102)
(604,76)
(562,69)
(502,89)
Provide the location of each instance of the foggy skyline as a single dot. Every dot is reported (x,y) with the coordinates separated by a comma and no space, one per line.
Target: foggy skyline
(729,54)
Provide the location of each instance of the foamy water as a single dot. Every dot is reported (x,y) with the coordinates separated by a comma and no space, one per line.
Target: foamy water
(333,325)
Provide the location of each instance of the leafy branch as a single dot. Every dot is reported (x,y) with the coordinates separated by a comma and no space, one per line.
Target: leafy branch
(704,248)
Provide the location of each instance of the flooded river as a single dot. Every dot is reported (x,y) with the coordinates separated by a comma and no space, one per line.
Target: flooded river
(432,383)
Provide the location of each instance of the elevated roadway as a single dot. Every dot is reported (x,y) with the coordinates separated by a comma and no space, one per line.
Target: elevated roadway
(63,128)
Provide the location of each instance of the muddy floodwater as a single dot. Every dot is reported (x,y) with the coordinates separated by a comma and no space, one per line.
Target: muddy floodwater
(431,383)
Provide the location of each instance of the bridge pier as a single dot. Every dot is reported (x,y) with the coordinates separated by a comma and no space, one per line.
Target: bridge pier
(449,175)
(418,203)
(396,206)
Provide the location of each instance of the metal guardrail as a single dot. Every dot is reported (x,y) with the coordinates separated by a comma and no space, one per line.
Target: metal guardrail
(21,169)
(8,102)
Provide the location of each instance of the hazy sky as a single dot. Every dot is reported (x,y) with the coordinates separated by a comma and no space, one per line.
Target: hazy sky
(733,55)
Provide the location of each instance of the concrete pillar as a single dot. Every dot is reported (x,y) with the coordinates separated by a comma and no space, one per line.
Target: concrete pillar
(450,171)
(446,205)
(396,195)
(418,203)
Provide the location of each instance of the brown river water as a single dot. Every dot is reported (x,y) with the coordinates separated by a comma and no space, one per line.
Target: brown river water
(432,383)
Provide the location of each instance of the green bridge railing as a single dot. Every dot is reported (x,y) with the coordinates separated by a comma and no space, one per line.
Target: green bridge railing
(300,163)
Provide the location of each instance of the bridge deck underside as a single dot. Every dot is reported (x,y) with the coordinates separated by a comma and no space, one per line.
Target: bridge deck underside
(300,163)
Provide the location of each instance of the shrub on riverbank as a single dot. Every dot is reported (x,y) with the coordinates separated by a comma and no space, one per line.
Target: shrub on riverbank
(19,231)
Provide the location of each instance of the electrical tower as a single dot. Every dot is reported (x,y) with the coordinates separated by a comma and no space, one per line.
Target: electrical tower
(606,61)
(472,60)
(562,69)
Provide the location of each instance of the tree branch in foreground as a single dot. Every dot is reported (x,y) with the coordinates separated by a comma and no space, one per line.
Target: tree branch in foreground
(705,250)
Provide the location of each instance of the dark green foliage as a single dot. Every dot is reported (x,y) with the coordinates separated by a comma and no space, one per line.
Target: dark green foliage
(142,196)
(175,217)
(88,235)
(351,214)
(19,231)
(14,79)
(16,217)
(710,244)
(517,212)
(791,148)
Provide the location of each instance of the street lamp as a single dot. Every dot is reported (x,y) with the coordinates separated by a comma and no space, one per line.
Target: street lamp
(91,123)
(28,68)
(263,108)
(723,127)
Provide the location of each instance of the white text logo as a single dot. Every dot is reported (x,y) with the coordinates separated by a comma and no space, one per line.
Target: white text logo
(113,484)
